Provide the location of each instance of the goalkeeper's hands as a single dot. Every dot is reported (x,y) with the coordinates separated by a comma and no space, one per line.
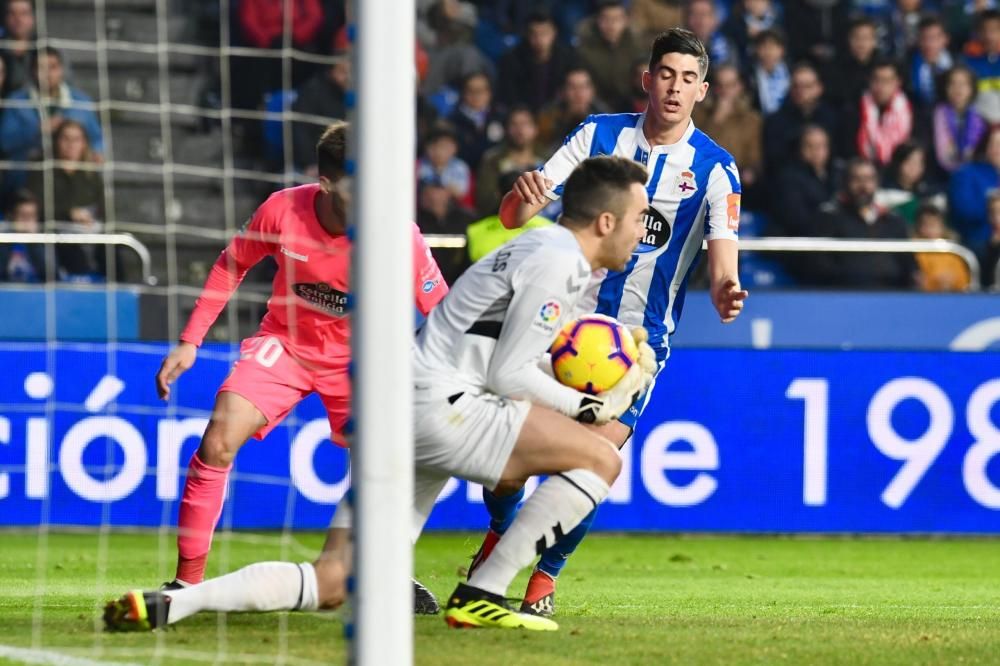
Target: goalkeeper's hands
(609,405)
(180,359)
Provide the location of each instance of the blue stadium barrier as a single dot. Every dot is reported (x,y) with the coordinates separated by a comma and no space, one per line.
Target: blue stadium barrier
(734,440)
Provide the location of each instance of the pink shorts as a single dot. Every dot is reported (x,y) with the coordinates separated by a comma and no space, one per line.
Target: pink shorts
(274,382)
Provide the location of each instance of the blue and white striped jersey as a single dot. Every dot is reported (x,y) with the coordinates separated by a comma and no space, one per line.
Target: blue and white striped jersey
(694,194)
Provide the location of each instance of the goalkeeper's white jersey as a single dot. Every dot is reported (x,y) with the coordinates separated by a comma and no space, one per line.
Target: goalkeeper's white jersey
(499,319)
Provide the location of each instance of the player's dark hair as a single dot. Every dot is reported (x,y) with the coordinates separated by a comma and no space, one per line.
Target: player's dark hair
(331,150)
(598,185)
(679,40)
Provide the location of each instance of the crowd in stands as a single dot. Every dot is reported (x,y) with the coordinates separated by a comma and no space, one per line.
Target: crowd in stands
(41,108)
(862,119)
(871,119)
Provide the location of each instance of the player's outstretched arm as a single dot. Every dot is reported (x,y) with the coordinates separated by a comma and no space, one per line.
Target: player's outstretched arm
(727,297)
(179,360)
(526,200)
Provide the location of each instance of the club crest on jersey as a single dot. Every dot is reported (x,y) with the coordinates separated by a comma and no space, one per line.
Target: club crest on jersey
(547,317)
(322,296)
(686,184)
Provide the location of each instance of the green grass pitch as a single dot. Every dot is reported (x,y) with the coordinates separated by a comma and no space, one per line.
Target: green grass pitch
(622,600)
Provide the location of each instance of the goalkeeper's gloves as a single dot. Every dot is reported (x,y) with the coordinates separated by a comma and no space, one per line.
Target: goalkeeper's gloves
(609,405)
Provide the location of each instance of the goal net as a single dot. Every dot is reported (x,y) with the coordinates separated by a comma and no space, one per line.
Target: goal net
(187,109)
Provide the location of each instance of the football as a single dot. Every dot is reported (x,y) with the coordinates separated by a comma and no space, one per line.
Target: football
(592,353)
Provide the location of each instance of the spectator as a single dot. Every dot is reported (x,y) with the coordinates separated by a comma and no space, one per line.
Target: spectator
(531,72)
(487,234)
(77,192)
(769,76)
(259,24)
(855,215)
(728,117)
(748,19)
(938,272)
(516,153)
(323,95)
(987,66)
(850,75)
(22,262)
(701,19)
(989,260)
(815,29)
(438,213)
(21,127)
(639,97)
(960,16)
(477,124)
(446,30)
(906,185)
(885,115)
(19,27)
(651,17)
(78,203)
(607,49)
(929,60)
(969,189)
(441,165)
(577,100)
(804,106)
(958,127)
(803,186)
(902,27)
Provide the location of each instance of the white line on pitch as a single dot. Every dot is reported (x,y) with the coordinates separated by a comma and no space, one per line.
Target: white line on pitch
(49,658)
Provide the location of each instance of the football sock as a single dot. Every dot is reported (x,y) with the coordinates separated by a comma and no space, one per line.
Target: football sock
(556,507)
(199,512)
(264,586)
(502,509)
(554,559)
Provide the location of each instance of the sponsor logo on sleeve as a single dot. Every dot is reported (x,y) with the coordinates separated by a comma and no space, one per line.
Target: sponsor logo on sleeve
(429,285)
(733,211)
(548,317)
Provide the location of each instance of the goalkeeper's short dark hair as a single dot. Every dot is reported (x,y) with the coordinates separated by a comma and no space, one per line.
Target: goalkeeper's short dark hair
(331,150)
(597,185)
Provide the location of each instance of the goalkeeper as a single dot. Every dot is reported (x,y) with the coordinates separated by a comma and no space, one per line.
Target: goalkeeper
(484,411)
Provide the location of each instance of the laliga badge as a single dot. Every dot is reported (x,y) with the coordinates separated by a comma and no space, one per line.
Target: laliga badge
(686,184)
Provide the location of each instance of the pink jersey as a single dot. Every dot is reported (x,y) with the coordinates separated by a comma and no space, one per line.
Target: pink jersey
(308,304)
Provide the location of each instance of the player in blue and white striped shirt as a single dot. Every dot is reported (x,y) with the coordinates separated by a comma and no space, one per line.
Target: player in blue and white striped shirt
(694,195)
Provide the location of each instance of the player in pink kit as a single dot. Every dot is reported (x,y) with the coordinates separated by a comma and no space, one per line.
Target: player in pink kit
(302,347)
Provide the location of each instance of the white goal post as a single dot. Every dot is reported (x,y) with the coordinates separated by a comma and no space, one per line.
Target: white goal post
(383,319)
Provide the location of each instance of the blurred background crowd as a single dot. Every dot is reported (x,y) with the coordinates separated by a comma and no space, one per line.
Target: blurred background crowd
(867,119)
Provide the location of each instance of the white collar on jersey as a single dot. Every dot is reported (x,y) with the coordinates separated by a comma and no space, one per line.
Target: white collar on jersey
(644,143)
